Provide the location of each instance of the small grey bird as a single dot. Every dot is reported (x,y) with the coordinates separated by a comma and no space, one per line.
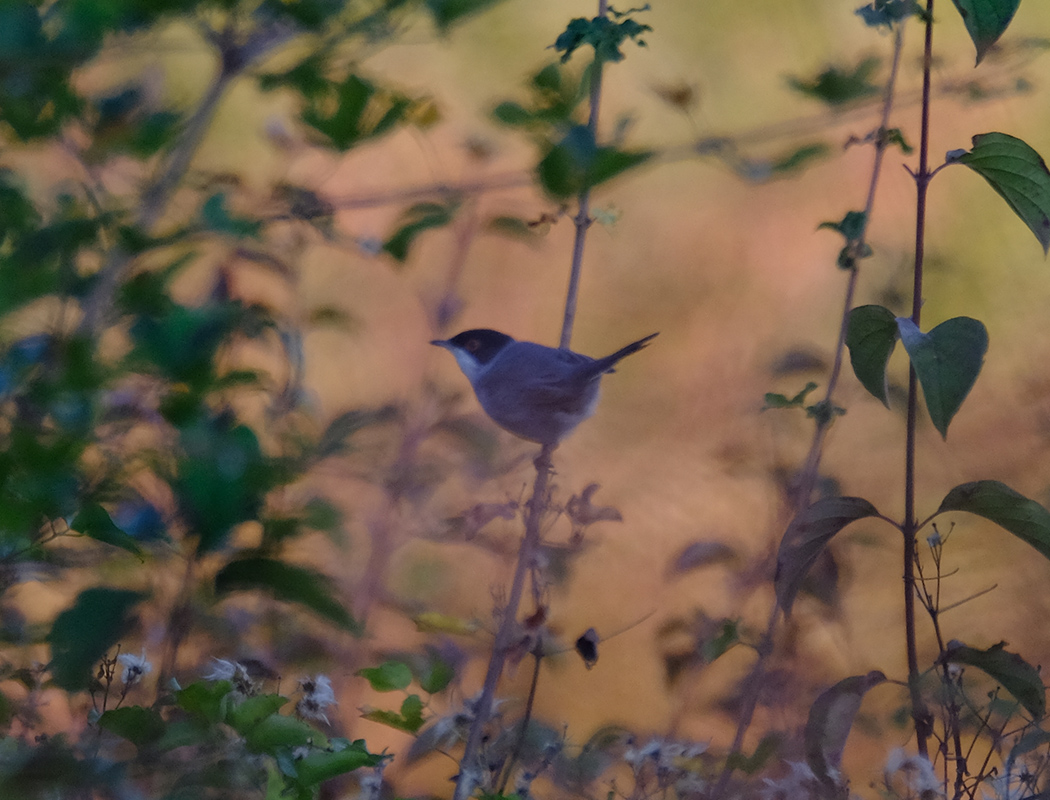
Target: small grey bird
(535,392)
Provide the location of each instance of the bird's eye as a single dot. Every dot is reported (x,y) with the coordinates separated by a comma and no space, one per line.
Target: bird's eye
(473,345)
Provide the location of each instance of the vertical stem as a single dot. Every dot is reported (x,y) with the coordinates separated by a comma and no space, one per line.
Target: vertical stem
(471,768)
(582,220)
(920,714)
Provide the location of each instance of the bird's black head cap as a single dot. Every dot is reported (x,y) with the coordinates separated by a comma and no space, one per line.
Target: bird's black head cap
(482,343)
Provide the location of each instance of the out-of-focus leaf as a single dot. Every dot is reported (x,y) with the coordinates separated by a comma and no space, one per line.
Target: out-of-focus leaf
(947,361)
(577,163)
(807,536)
(287,582)
(410,718)
(837,86)
(447,13)
(216,217)
(435,622)
(884,13)
(700,554)
(140,726)
(605,34)
(388,676)
(334,439)
(420,217)
(94,521)
(1016,675)
(775,400)
(1017,173)
(433,672)
(82,634)
(995,501)
(830,719)
(750,764)
(727,636)
(986,21)
(361,111)
(871,337)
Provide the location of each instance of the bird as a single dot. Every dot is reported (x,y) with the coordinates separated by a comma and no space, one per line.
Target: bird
(538,393)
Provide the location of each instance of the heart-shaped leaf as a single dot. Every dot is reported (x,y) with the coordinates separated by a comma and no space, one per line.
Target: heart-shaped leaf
(806,537)
(1018,173)
(1024,518)
(986,20)
(871,337)
(947,360)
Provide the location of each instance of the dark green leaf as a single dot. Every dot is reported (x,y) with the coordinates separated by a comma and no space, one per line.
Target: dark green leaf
(1019,175)
(986,21)
(412,712)
(806,537)
(388,676)
(216,217)
(997,502)
(837,86)
(775,400)
(947,361)
(434,672)
(320,766)
(287,582)
(448,12)
(830,719)
(871,337)
(577,163)
(794,160)
(362,111)
(81,635)
(1015,674)
(94,521)
(222,480)
(884,13)
(514,114)
(138,725)
(727,636)
(851,227)
(605,35)
(419,218)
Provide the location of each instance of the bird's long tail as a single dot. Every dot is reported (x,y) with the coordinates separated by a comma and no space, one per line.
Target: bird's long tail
(606,364)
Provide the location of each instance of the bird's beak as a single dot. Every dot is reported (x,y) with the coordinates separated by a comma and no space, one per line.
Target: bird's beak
(441,343)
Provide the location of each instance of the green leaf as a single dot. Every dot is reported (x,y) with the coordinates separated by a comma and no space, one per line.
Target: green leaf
(204,699)
(577,163)
(871,337)
(320,766)
(244,716)
(420,217)
(997,502)
(361,111)
(410,719)
(513,114)
(222,479)
(806,537)
(830,719)
(94,521)
(138,725)
(1015,674)
(775,400)
(727,636)
(81,635)
(986,20)
(837,86)
(1019,175)
(448,12)
(884,13)
(287,582)
(388,676)
(433,671)
(947,361)
(216,217)
(277,731)
(851,227)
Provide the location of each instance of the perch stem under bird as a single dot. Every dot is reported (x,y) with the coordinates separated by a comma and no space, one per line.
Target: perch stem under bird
(538,393)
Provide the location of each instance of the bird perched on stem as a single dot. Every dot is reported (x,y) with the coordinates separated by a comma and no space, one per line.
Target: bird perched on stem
(535,392)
